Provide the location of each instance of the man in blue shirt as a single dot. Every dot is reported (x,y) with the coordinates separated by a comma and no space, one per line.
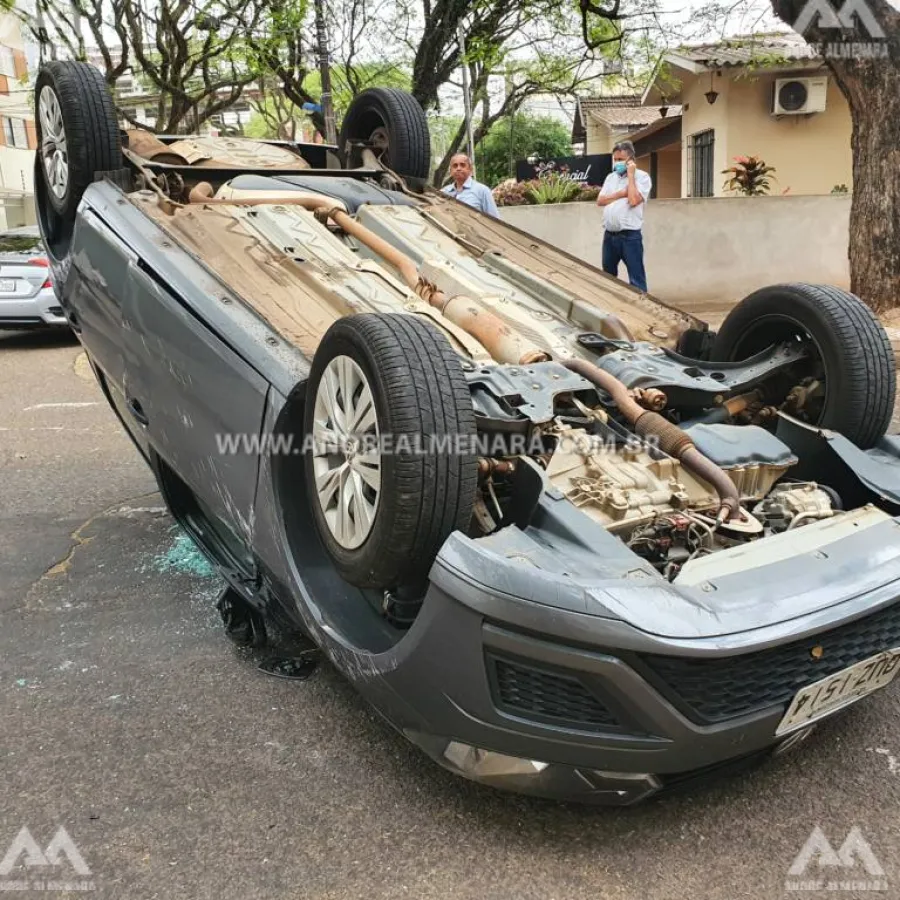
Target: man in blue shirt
(466,189)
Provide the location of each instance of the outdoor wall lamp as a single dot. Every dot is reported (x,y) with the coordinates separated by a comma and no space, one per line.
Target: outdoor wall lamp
(712,94)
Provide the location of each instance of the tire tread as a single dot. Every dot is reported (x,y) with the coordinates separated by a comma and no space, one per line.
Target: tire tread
(430,495)
(864,403)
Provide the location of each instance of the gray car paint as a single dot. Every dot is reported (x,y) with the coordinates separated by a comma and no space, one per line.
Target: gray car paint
(432,683)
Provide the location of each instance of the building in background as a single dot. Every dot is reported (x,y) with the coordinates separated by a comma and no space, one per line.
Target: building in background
(768,96)
(601,121)
(18,138)
(137,97)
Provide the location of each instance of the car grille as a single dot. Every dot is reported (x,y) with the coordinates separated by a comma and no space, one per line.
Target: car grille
(546,696)
(713,690)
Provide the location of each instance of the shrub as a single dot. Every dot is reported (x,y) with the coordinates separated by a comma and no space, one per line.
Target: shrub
(512,193)
(749,176)
(551,186)
(554,187)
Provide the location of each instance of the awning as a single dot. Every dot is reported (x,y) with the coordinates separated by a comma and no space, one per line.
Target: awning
(662,133)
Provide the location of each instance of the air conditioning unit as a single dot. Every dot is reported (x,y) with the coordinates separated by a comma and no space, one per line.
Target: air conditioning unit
(799,96)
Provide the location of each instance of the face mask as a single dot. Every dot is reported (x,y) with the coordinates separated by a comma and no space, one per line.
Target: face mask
(620,168)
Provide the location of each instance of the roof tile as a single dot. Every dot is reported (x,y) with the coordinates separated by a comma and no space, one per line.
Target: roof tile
(746,50)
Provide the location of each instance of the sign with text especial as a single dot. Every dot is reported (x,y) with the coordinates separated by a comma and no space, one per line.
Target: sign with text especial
(588,170)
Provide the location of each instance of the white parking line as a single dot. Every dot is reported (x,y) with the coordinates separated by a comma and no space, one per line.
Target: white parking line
(62,405)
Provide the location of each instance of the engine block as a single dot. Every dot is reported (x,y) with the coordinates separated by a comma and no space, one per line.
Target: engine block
(624,486)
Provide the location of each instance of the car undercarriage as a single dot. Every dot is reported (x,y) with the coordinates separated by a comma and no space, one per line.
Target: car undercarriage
(564,537)
(678,457)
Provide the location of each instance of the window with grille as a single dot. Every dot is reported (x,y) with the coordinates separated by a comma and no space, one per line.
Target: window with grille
(15,133)
(701,150)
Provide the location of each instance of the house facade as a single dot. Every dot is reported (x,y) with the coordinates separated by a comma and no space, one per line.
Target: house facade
(602,121)
(768,96)
(18,138)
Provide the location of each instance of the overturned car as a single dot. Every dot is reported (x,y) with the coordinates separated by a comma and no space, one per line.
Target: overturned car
(563,537)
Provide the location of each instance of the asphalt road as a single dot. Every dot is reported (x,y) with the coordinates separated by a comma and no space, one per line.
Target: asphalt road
(181,771)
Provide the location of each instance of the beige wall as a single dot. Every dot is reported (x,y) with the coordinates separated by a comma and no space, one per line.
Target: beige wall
(704,252)
(599,139)
(17,169)
(811,154)
(11,31)
(701,116)
(668,173)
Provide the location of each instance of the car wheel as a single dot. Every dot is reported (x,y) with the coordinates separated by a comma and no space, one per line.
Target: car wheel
(393,123)
(392,470)
(77,131)
(851,352)
(56,232)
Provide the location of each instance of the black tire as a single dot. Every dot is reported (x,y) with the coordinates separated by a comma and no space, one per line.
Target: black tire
(396,115)
(419,392)
(89,124)
(852,345)
(56,232)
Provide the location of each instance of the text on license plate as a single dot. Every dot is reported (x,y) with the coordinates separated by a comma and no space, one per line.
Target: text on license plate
(842,688)
(7,285)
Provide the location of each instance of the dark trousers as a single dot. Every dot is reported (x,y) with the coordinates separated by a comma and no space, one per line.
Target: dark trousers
(627,247)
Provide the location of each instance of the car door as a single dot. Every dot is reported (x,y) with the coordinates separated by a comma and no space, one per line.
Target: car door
(93,294)
(192,394)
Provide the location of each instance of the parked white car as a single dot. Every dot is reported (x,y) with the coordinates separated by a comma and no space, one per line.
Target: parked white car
(27,298)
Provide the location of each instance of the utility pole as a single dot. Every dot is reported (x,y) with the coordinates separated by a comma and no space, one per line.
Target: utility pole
(467,95)
(508,85)
(76,27)
(43,38)
(325,72)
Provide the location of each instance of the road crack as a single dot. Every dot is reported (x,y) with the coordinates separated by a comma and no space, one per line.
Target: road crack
(79,540)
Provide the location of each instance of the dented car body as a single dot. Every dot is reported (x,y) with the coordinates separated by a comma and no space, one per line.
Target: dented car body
(651,557)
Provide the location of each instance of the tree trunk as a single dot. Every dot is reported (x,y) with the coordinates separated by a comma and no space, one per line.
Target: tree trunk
(866,67)
(874,97)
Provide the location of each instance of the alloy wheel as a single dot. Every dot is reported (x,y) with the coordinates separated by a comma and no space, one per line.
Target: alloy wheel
(346,457)
(54,148)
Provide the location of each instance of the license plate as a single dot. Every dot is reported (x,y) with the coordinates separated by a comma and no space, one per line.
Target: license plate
(841,689)
(7,285)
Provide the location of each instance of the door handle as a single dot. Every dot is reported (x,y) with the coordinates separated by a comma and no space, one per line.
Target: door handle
(137,411)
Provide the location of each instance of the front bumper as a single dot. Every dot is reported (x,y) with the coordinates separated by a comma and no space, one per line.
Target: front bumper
(520,730)
(555,703)
(41,310)
(568,601)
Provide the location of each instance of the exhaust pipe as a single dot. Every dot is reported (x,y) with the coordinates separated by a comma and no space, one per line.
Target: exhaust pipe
(672,439)
(489,330)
